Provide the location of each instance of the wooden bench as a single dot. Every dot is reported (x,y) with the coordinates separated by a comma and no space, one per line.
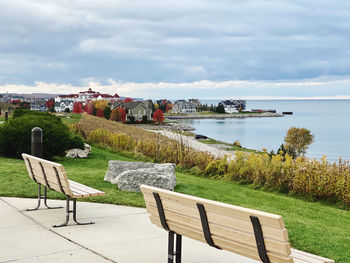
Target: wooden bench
(247,232)
(52,175)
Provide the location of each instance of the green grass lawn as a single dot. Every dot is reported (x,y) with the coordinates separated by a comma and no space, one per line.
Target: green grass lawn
(315,227)
(69,118)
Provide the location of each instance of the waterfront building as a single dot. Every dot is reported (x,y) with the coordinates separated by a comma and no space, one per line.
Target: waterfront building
(182,106)
(233,106)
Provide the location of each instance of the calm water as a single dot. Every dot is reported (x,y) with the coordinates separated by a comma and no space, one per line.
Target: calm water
(328,120)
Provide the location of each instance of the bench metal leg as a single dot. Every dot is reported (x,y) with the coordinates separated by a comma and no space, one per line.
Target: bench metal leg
(74,211)
(42,197)
(177,253)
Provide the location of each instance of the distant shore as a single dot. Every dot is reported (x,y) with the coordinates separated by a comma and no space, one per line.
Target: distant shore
(223,116)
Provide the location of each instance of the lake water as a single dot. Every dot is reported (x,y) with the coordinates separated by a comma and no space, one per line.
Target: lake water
(328,120)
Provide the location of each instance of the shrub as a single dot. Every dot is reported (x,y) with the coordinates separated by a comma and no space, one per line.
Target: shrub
(107,112)
(131,119)
(15,136)
(20,112)
(144,119)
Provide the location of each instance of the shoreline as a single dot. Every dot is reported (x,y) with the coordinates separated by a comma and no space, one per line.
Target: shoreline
(224,116)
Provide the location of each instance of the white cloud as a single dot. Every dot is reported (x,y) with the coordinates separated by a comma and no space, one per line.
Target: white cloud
(198,89)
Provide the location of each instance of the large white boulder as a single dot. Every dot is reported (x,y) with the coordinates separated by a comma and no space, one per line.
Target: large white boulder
(130,175)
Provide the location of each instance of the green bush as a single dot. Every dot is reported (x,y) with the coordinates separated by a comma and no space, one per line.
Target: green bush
(15,136)
(20,112)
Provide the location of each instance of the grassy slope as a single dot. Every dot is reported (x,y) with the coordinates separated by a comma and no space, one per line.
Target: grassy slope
(315,227)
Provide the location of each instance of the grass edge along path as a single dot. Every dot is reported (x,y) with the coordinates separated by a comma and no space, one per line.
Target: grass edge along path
(315,227)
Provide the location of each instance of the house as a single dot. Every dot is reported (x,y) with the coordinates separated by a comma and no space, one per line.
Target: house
(232,106)
(63,105)
(182,106)
(39,105)
(138,109)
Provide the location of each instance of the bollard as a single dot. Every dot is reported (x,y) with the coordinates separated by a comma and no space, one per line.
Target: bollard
(37,142)
(6,116)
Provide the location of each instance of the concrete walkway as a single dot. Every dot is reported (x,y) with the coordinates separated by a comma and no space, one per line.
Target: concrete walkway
(120,234)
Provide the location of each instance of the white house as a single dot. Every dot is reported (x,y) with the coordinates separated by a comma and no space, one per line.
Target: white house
(182,106)
(232,106)
(63,105)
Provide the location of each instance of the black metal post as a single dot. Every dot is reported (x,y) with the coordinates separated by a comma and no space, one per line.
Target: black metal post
(37,151)
(6,116)
(37,142)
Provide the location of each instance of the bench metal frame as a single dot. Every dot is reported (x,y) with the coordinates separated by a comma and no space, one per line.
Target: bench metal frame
(68,211)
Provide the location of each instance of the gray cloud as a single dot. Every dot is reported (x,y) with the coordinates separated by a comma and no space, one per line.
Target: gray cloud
(172,41)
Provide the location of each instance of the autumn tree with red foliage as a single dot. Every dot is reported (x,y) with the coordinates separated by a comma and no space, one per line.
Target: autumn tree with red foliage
(50,104)
(77,107)
(128,100)
(90,108)
(99,113)
(122,114)
(158,116)
(118,114)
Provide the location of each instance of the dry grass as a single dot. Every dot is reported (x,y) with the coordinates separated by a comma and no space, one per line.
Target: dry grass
(122,137)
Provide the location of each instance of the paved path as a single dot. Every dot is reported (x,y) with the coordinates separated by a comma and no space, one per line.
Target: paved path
(121,234)
(194,144)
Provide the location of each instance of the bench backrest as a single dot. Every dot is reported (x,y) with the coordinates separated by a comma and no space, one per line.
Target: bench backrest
(230,226)
(47,173)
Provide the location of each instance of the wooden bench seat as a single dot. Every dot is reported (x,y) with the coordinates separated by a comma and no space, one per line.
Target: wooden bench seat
(247,232)
(52,175)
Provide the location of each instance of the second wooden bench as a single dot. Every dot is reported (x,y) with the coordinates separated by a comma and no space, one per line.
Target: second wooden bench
(247,232)
(52,175)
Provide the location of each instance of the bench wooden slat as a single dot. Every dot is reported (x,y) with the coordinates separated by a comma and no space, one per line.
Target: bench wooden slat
(229,245)
(230,226)
(54,186)
(221,231)
(269,232)
(83,190)
(266,219)
(309,258)
(49,172)
(70,188)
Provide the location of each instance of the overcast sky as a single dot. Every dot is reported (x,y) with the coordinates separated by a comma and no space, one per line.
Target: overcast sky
(177,49)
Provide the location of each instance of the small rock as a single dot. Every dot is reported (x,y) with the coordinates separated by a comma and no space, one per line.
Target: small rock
(79,153)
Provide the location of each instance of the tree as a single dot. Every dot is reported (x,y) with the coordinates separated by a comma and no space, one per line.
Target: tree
(67,110)
(50,104)
(122,114)
(128,100)
(77,107)
(107,112)
(99,113)
(114,114)
(298,140)
(158,116)
(90,108)
(101,104)
(220,109)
